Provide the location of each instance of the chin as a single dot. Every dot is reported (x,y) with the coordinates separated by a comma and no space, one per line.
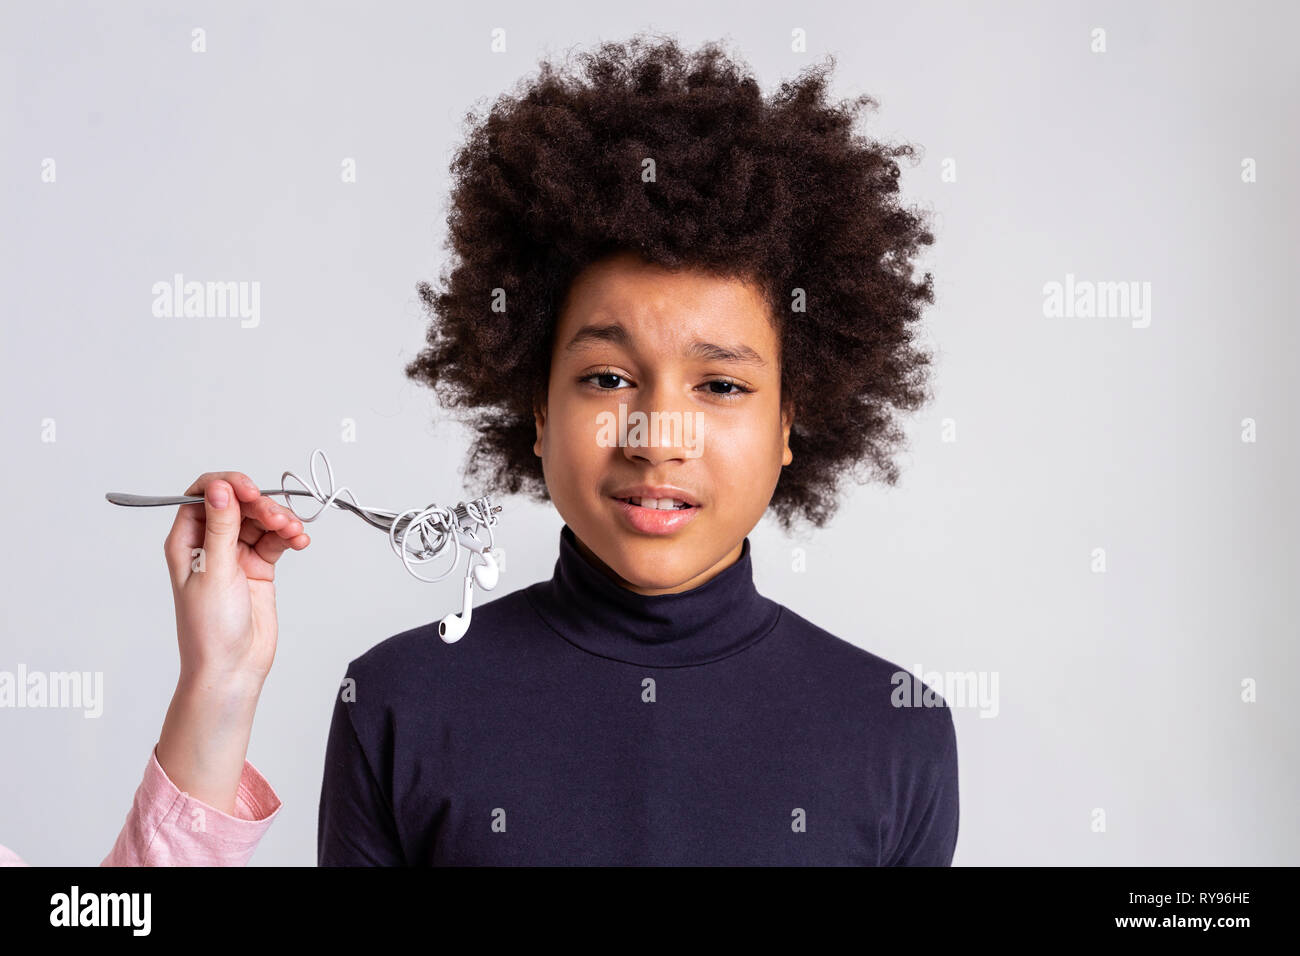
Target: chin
(651,563)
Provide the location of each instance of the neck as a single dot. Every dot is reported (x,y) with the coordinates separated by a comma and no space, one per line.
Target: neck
(589,606)
(730,558)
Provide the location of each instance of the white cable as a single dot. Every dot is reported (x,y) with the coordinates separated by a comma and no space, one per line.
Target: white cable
(435,526)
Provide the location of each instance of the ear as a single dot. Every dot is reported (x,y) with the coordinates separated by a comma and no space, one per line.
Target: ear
(787,420)
(539,419)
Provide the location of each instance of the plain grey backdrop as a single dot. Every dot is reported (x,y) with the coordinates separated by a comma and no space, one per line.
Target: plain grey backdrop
(1154,690)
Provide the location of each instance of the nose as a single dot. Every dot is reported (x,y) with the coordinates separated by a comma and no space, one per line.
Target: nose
(669,429)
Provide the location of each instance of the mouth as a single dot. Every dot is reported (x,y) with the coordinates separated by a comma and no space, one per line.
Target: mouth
(655,515)
(657,504)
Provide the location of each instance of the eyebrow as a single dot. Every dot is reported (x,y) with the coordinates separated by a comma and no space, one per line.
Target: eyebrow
(615,334)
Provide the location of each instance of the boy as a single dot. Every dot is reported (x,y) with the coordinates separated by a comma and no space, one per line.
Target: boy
(653,240)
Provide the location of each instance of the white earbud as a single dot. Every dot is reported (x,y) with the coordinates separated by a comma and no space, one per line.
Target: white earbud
(453,627)
(487,574)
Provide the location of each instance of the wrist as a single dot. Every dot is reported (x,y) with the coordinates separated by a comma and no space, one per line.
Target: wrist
(205,736)
(220,689)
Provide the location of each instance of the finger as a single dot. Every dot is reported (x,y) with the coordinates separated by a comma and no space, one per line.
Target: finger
(188,529)
(186,535)
(277,517)
(264,515)
(245,488)
(222,521)
(256,525)
(271,546)
(192,517)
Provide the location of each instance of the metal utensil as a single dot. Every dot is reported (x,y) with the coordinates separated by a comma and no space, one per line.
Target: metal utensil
(383,520)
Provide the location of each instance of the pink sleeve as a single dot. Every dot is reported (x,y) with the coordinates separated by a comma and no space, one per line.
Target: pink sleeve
(9,858)
(166,827)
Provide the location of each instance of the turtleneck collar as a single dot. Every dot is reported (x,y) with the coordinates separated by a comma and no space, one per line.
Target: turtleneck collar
(723,615)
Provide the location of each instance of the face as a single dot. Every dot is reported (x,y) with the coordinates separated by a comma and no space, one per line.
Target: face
(694,363)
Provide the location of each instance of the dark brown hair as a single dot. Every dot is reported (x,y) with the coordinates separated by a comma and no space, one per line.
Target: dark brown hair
(781,191)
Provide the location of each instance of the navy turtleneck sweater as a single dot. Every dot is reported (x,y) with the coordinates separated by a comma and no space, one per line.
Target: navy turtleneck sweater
(578,722)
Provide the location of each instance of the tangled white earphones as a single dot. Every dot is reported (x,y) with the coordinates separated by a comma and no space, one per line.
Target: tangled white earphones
(433,528)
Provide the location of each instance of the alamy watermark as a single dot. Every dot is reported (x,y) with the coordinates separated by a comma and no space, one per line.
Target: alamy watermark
(130,910)
(82,690)
(954,688)
(638,429)
(1086,299)
(179,299)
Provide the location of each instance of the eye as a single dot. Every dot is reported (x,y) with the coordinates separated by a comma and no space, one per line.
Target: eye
(603,374)
(739,389)
(735,389)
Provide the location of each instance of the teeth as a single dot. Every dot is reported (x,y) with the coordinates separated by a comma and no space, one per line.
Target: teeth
(660,504)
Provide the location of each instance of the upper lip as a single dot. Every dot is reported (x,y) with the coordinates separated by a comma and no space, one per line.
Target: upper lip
(656,491)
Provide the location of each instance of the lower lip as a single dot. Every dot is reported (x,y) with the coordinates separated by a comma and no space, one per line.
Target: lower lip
(654,521)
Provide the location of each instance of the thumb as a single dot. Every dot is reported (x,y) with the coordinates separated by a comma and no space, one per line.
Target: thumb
(223,518)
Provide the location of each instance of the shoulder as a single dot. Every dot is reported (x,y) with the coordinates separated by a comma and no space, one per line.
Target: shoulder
(875,695)
(417,660)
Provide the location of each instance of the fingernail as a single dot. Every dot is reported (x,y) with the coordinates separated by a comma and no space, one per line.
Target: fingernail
(218,497)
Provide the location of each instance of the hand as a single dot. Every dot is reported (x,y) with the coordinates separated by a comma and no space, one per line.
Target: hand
(225,626)
(225,613)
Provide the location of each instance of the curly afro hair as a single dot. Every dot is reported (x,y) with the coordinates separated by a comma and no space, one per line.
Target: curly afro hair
(779,191)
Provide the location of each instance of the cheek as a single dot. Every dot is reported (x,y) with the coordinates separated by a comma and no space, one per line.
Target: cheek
(571,437)
(758,468)
(751,439)
(738,451)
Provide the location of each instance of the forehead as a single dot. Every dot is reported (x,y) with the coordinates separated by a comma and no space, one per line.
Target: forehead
(659,308)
